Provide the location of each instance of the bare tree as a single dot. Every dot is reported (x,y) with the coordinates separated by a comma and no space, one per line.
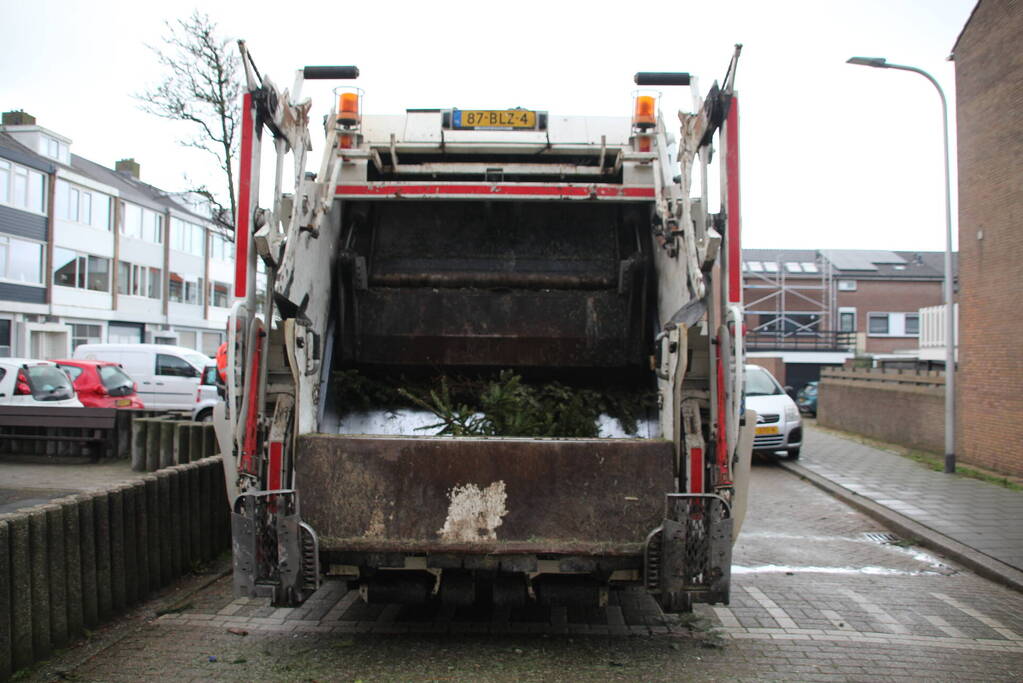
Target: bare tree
(201,86)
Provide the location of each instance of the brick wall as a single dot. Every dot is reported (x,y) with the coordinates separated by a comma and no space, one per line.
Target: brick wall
(889,296)
(900,412)
(989,103)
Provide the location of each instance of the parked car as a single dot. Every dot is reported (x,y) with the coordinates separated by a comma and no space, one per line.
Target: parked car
(779,425)
(168,376)
(806,399)
(24,381)
(101,384)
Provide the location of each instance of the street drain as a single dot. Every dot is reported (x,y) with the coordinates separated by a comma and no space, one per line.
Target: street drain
(879,537)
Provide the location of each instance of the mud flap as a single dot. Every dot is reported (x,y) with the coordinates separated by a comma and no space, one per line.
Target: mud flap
(689,557)
(275,553)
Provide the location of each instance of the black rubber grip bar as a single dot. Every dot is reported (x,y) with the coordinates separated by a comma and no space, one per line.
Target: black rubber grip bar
(330,72)
(661,78)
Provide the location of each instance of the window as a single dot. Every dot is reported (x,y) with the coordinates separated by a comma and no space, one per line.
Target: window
(847,320)
(155,283)
(55,149)
(771,266)
(755,266)
(177,288)
(73,371)
(85,334)
(5,338)
(793,267)
(132,220)
(894,324)
(847,285)
(22,187)
(82,206)
(219,294)
(193,291)
(71,269)
(173,366)
(124,271)
(21,261)
(187,237)
(221,249)
(809,267)
(152,227)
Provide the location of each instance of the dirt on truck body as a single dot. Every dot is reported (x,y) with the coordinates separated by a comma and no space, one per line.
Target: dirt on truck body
(501,355)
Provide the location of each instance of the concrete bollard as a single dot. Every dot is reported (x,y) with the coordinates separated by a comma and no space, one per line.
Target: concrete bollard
(163,510)
(6,658)
(123,436)
(101,522)
(185,501)
(87,546)
(210,439)
(115,498)
(166,443)
(58,574)
(72,565)
(205,509)
(131,569)
(152,445)
(195,439)
(182,442)
(153,534)
(194,513)
(138,444)
(21,591)
(39,546)
(141,539)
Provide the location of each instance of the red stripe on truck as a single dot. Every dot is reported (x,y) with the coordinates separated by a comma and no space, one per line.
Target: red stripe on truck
(241,234)
(495,190)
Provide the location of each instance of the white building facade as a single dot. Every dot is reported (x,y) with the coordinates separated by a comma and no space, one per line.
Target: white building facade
(91,254)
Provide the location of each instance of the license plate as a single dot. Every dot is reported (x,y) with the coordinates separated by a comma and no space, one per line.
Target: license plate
(493,118)
(767,430)
(121,402)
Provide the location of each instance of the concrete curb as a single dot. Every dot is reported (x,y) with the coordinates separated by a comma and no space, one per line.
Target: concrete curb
(981,563)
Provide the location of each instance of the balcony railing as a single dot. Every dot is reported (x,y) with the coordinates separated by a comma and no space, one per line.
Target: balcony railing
(802,340)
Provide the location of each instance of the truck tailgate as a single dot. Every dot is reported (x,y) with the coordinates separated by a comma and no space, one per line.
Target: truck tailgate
(482,495)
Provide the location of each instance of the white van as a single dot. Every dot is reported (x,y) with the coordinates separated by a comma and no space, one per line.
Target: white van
(168,376)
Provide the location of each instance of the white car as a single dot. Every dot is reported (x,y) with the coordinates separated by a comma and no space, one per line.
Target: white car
(779,425)
(28,382)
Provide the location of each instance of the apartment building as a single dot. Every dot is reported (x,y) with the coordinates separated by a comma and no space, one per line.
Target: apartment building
(822,307)
(93,254)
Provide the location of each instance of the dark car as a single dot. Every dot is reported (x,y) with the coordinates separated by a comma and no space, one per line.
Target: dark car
(806,399)
(101,384)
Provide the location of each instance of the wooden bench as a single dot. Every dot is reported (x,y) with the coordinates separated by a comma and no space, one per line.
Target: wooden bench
(87,432)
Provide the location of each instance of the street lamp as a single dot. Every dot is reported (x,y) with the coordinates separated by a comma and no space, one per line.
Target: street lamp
(950,363)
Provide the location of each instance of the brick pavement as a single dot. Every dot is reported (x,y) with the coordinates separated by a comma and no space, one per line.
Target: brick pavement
(983,516)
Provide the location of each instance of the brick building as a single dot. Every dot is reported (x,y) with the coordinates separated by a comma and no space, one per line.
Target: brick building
(989,103)
(822,307)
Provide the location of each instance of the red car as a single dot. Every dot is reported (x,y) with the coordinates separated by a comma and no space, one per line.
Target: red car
(101,384)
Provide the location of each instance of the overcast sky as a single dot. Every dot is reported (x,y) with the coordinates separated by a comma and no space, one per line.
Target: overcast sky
(833,155)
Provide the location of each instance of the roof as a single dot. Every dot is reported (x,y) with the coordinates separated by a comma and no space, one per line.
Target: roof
(17,152)
(962,31)
(131,188)
(858,263)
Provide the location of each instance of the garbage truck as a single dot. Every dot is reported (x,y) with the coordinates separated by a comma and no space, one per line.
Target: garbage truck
(537,254)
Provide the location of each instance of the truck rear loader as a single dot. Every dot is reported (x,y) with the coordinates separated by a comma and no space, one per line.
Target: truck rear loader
(524,250)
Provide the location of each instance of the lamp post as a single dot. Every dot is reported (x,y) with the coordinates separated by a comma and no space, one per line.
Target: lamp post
(950,366)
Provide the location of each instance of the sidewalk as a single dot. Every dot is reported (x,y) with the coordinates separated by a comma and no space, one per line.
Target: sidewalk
(976,523)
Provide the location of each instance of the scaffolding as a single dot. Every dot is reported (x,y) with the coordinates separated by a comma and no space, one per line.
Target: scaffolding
(797,296)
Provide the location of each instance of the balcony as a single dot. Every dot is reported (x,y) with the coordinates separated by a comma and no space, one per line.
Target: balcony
(800,340)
